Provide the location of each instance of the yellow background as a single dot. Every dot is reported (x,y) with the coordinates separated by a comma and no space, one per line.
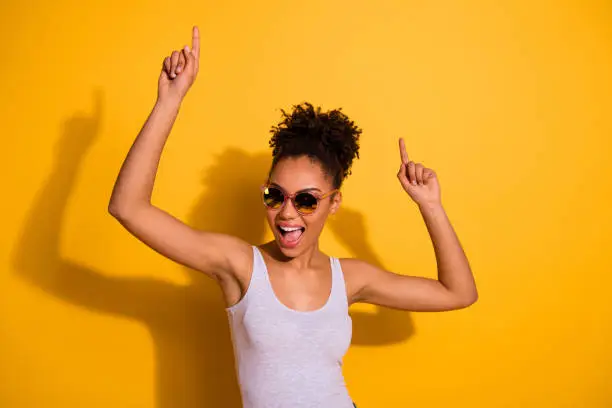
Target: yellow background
(510,102)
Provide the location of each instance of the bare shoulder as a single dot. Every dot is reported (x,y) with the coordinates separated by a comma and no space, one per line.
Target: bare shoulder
(239,255)
(235,282)
(357,274)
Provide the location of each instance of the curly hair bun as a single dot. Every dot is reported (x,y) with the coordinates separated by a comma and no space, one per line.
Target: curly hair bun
(330,137)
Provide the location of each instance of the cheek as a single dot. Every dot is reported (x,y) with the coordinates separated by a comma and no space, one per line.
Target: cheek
(270,216)
(316,221)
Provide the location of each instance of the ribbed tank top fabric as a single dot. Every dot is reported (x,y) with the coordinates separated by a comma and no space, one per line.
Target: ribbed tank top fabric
(287,358)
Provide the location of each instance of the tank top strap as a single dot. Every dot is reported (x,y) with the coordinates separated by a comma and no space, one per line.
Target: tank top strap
(259,265)
(338,283)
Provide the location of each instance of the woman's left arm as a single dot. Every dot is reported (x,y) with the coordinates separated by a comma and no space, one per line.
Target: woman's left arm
(455,287)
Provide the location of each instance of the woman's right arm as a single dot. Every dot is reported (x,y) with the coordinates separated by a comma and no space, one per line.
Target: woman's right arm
(217,255)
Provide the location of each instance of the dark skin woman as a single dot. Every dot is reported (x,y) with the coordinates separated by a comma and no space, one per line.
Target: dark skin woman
(312,153)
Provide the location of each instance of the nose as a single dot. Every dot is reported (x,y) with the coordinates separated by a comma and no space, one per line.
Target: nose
(288,211)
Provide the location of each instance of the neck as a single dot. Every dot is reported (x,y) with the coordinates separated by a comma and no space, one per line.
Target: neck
(303,260)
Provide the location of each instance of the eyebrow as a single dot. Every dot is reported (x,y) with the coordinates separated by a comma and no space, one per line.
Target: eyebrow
(304,190)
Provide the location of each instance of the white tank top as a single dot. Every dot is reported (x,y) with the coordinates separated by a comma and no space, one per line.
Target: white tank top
(287,358)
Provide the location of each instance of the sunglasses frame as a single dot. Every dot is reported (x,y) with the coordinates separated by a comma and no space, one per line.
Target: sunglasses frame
(291,197)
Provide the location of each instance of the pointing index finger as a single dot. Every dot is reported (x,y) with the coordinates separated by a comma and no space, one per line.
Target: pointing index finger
(195,42)
(403,152)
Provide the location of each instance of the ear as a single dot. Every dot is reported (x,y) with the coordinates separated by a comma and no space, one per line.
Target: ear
(336,201)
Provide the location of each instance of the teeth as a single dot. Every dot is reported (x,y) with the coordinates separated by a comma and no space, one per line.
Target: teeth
(289,229)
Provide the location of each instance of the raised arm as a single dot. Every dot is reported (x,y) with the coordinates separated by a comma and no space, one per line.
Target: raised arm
(217,255)
(455,287)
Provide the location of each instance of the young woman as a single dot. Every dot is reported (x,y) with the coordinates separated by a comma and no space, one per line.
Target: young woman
(288,301)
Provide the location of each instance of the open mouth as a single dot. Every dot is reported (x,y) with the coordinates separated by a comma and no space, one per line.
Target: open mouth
(290,236)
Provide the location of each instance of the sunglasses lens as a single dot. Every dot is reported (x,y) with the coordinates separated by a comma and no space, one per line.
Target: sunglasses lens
(306,203)
(273,197)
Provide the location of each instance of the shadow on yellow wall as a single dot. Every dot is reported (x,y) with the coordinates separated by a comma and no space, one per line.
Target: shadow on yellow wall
(192,344)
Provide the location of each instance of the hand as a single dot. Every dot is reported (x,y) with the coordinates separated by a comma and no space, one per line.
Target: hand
(179,70)
(418,181)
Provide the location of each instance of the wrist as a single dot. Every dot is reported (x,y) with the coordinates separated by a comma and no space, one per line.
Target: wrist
(168,103)
(431,207)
